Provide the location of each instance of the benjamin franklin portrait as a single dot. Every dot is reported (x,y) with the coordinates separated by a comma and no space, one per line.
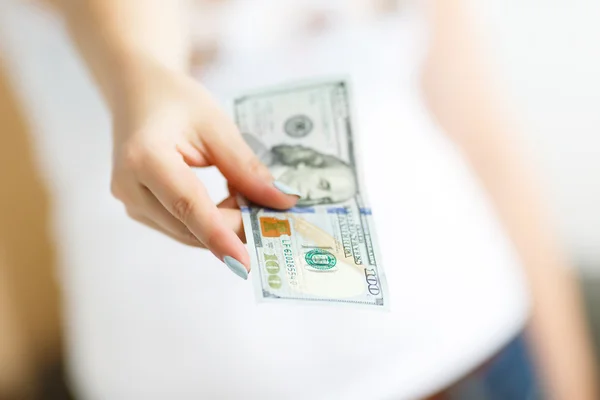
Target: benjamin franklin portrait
(320,178)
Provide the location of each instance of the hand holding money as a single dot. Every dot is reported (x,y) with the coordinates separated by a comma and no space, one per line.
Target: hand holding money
(164,125)
(323,250)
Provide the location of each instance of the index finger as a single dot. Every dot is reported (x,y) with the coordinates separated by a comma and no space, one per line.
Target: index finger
(245,172)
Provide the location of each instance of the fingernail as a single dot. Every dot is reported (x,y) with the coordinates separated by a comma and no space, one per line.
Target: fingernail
(282,187)
(236,267)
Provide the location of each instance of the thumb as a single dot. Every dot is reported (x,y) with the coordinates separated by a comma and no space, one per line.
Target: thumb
(246,173)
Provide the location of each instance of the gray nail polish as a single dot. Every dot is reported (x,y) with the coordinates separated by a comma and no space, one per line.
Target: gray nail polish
(236,267)
(282,187)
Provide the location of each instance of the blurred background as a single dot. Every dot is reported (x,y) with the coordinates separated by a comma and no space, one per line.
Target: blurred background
(546,52)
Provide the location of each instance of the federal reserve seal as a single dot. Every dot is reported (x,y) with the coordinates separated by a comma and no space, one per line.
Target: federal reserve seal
(298,126)
(320,259)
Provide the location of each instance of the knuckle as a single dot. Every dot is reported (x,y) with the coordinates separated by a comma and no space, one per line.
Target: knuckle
(182,208)
(120,191)
(256,167)
(115,190)
(134,156)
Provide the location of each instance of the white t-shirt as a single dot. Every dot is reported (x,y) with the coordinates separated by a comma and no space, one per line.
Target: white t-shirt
(148,318)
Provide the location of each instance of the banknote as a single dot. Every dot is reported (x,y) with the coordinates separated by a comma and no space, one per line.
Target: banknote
(325,249)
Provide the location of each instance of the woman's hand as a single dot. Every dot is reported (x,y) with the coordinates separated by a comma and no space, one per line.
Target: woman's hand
(165,123)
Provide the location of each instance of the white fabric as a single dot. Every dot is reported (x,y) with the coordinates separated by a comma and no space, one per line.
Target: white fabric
(148,318)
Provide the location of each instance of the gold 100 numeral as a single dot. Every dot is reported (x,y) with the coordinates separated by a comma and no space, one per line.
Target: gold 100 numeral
(272,266)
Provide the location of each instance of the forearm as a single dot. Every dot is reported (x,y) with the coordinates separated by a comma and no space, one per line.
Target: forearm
(465,104)
(116,36)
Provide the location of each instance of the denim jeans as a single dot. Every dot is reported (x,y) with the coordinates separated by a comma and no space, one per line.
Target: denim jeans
(510,375)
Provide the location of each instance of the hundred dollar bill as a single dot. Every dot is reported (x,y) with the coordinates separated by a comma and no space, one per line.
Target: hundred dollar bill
(325,249)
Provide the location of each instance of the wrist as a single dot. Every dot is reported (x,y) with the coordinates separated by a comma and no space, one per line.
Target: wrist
(133,76)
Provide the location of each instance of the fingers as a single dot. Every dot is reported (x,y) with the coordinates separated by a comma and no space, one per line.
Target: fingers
(231,190)
(233,219)
(154,211)
(143,207)
(185,239)
(180,192)
(244,171)
(229,202)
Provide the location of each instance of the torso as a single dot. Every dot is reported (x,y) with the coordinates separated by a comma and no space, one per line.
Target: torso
(149,318)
